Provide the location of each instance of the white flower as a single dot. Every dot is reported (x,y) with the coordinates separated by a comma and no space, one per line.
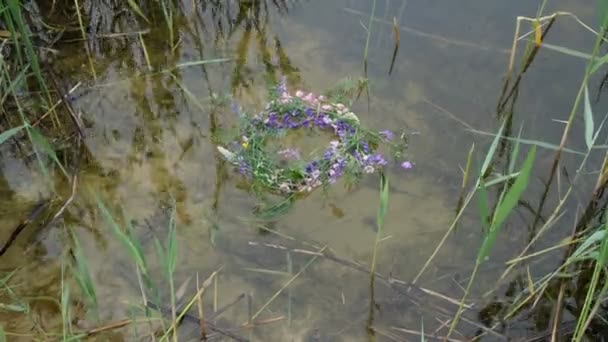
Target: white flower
(230,156)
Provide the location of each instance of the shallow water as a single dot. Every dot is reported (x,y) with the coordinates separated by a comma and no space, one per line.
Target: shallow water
(148,141)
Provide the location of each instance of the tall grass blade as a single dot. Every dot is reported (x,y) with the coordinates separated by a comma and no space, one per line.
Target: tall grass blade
(15,10)
(41,144)
(538,143)
(9,133)
(588,115)
(369,34)
(83,274)
(135,7)
(492,150)
(2,334)
(508,204)
(584,248)
(65,310)
(383,208)
(133,250)
(591,295)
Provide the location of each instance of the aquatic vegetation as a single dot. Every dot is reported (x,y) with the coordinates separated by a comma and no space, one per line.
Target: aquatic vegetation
(353,151)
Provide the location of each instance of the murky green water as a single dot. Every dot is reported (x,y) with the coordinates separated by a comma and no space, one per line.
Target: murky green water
(148,140)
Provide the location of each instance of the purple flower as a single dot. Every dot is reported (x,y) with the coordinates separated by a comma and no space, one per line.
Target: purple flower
(343,129)
(311,167)
(387,135)
(365,147)
(377,159)
(407,165)
(321,121)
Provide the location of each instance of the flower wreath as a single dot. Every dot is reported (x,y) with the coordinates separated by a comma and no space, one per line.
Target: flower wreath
(353,151)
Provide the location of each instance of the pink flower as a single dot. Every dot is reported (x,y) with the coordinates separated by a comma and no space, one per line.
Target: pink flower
(326,107)
(299,93)
(310,98)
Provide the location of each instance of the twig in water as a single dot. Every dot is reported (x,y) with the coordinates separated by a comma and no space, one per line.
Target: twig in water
(419,333)
(34,213)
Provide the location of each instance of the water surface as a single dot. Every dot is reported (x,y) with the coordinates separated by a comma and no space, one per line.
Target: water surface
(149,142)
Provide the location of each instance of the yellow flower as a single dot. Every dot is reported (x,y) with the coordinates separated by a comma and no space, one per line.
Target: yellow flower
(245,144)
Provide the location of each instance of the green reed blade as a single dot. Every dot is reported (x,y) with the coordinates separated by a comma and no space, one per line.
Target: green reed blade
(501,179)
(515,151)
(507,205)
(369,35)
(591,295)
(422,335)
(160,253)
(83,275)
(538,143)
(584,249)
(41,144)
(132,246)
(65,310)
(15,81)
(9,133)
(172,243)
(15,35)
(2,334)
(135,7)
(382,209)
(15,10)
(492,150)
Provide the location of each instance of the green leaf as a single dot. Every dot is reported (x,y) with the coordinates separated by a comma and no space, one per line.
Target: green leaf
(383,208)
(9,134)
(603,11)
(588,114)
(507,205)
(567,51)
(589,241)
(501,179)
(531,142)
(598,63)
(492,150)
